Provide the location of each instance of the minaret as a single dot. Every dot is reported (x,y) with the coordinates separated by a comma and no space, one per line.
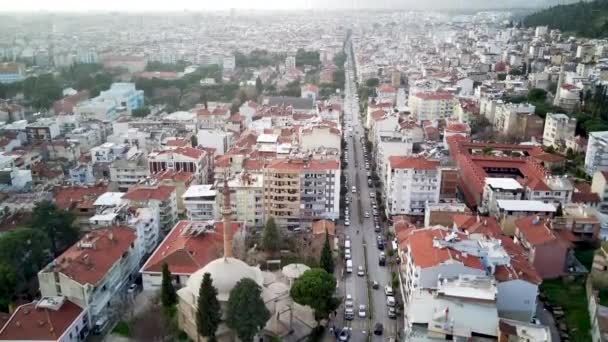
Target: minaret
(226,216)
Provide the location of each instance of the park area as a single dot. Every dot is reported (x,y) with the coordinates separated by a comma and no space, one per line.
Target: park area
(566,299)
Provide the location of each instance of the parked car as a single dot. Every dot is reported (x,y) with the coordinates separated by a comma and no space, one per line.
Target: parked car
(388,290)
(360,271)
(375,285)
(390,301)
(366,214)
(392,313)
(344,334)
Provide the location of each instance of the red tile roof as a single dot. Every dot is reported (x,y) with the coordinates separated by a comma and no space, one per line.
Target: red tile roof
(519,268)
(586,197)
(181,176)
(535,233)
(186,253)
(69,197)
(386,88)
(420,244)
(159,193)
(306,165)
(477,225)
(319,227)
(401,162)
(185,151)
(434,96)
(89,265)
(29,323)
(458,128)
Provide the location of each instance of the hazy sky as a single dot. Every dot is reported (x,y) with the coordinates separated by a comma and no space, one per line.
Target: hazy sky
(178,5)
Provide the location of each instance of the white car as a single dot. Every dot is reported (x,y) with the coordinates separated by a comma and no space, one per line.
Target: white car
(347,223)
(388,290)
(390,301)
(366,214)
(354,190)
(360,271)
(362,312)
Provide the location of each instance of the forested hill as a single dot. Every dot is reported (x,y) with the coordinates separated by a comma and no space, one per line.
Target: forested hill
(588,19)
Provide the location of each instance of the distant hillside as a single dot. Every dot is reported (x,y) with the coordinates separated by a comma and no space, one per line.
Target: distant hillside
(588,19)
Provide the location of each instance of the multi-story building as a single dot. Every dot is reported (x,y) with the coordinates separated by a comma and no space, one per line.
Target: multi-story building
(126,173)
(290,62)
(108,152)
(390,146)
(559,128)
(94,271)
(298,191)
(434,256)
(410,184)
(596,158)
(200,203)
(247,198)
(517,120)
(162,197)
(55,319)
(82,174)
(125,95)
(432,106)
(499,189)
(42,130)
(181,159)
(11,72)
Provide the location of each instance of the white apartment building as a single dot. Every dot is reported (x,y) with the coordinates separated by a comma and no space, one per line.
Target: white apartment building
(161,197)
(108,152)
(390,146)
(200,203)
(315,137)
(86,137)
(505,117)
(82,174)
(559,128)
(432,106)
(410,184)
(94,272)
(551,189)
(596,158)
(499,189)
(218,139)
(180,159)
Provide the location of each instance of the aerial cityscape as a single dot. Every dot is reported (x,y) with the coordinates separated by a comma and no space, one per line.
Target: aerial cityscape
(304,171)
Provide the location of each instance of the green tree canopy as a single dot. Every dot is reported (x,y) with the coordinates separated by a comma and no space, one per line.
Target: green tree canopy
(372,82)
(271,239)
(56,224)
(316,289)
(327,258)
(168,296)
(246,312)
(208,313)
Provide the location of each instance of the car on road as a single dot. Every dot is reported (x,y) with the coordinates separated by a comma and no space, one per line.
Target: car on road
(347,223)
(375,285)
(392,313)
(390,301)
(382,261)
(388,290)
(377,228)
(366,214)
(354,190)
(362,311)
(372,194)
(347,255)
(378,329)
(375,212)
(344,334)
(360,271)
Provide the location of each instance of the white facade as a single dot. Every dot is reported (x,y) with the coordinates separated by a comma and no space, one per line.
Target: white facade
(499,189)
(431,106)
(559,128)
(410,187)
(107,152)
(218,139)
(200,203)
(82,174)
(596,158)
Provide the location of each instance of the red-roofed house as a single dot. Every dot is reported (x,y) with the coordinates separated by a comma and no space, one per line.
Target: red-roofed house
(310,91)
(410,184)
(67,104)
(48,319)
(186,249)
(215,118)
(79,200)
(431,254)
(181,159)
(386,92)
(181,180)
(546,250)
(163,197)
(93,271)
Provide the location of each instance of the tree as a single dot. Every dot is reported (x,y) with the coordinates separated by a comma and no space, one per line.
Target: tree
(56,224)
(246,312)
(316,288)
(327,259)
(168,296)
(259,87)
(372,82)
(208,313)
(140,112)
(559,212)
(271,240)
(537,95)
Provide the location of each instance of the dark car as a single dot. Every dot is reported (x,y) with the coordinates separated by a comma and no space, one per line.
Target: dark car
(382,261)
(378,328)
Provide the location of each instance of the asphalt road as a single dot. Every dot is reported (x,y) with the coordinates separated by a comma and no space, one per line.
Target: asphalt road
(364,250)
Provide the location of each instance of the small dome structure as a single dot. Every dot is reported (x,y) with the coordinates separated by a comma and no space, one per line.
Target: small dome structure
(225,273)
